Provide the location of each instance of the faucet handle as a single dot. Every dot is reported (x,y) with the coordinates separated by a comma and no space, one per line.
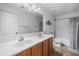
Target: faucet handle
(21,38)
(51,32)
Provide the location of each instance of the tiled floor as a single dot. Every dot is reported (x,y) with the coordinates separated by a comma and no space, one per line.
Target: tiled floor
(57,53)
(65,53)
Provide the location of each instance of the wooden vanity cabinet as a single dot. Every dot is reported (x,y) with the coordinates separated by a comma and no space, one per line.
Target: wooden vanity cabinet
(50,40)
(48,47)
(36,50)
(44,48)
(25,53)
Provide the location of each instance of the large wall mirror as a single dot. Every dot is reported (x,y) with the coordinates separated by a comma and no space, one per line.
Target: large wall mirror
(30,23)
(18,21)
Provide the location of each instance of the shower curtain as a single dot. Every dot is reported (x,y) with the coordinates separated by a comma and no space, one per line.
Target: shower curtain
(74,30)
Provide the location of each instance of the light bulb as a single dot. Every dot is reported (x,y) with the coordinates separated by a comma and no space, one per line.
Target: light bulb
(38,8)
(33,6)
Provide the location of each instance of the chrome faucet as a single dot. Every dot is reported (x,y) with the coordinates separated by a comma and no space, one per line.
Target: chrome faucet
(51,32)
(21,38)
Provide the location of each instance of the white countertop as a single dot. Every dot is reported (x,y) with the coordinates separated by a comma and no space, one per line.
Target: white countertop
(14,47)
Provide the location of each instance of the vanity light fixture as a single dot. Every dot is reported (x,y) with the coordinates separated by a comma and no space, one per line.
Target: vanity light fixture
(30,7)
(34,8)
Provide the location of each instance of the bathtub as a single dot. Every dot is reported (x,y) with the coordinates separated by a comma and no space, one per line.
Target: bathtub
(57,43)
(68,49)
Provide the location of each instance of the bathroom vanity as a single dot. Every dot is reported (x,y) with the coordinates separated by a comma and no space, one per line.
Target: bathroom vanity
(30,46)
(44,48)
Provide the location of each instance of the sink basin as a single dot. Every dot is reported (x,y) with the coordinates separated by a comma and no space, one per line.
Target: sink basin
(22,43)
(27,41)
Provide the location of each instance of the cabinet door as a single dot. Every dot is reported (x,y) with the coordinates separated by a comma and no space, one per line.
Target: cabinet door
(37,50)
(24,53)
(45,48)
(50,46)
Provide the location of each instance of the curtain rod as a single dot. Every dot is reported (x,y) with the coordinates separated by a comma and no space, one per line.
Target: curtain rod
(66,18)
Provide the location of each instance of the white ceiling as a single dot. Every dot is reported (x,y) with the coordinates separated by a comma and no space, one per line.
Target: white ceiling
(57,8)
(61,8)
